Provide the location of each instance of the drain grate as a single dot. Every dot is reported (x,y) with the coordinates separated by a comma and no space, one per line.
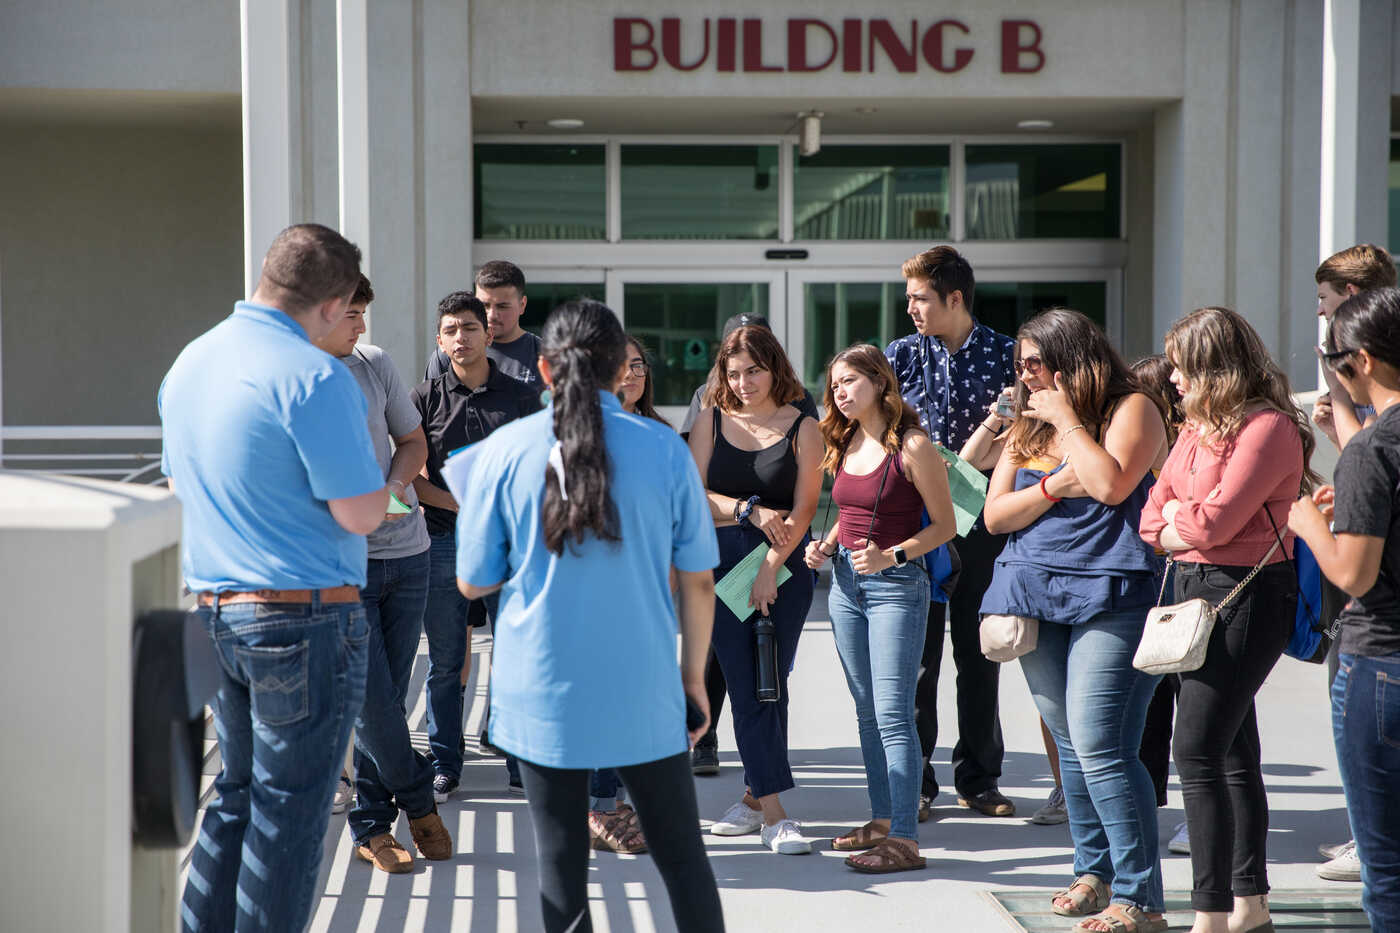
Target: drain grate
(1292,911)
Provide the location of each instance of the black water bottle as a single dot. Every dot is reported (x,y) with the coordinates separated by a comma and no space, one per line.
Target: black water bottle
(765,659)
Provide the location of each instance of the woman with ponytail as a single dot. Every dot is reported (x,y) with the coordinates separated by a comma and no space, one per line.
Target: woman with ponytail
(581,512)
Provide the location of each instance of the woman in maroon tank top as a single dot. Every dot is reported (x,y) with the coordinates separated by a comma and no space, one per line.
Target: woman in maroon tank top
(888,473)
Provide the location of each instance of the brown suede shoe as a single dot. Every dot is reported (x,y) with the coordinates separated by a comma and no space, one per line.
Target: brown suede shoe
(385,853)
(431,837)
(990,802)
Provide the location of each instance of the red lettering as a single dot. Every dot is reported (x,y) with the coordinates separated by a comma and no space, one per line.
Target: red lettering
(753,47)
(671,44)
(850,45)
(625,45)
(1012,48)
(903,59)
(933,47)
(724,43)
(797,44)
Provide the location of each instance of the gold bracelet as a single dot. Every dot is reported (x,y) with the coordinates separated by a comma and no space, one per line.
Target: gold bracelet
(1077,427)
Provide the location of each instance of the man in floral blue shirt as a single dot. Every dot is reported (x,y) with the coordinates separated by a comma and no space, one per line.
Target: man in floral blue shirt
(950,372)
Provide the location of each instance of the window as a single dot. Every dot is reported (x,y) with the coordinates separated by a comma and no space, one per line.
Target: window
(1043,192)
(699,192)
(542,297)
(839,314)
(681,325)
(1393,193)
(537,192)
(1005,306)
(871,193)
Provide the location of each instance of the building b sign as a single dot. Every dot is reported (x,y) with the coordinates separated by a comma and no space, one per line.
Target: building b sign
(730,44)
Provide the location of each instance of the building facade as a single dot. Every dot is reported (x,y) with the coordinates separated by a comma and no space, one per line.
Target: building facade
(1131,160)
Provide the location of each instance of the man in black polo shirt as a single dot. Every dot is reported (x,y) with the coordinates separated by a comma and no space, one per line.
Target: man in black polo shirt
(466,403)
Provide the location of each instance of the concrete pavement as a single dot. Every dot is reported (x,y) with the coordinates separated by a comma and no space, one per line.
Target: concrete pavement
(491,884)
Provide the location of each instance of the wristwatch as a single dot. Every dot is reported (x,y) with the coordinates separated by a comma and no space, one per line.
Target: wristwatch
(900,557)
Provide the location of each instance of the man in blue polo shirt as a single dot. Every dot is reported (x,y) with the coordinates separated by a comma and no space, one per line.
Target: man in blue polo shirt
(267,446)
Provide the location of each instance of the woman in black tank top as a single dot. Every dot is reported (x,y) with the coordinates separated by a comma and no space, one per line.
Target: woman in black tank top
(760,461)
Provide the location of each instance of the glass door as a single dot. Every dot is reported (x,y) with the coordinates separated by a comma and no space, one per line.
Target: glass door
(832,308)
(679,316)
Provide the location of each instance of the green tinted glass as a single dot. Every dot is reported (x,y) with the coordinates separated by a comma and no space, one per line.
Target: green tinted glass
(700,192)
(541,297)
(540,192)
(839,314)
(1393,192)
(1005,306)
(1043,192)
(681,325)
(871,193)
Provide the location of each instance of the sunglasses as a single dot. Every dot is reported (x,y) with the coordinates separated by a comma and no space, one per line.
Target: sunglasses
(1034,364)
(1333,361)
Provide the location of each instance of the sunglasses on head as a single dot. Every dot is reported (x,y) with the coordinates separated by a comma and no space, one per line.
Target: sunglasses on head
(1034,364)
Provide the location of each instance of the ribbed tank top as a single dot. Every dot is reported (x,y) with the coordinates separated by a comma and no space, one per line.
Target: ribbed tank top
(770,473)
(899,513)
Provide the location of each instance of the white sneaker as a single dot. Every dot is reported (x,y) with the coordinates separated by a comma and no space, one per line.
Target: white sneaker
(738,820)
(785,838)
(1054,812)
(1181,841)
(1345,867)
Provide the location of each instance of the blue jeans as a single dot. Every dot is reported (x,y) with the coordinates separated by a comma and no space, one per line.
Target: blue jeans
(1366,729)
(879,622)
(390,775)
(445,621)
(292,679)
(1095,704)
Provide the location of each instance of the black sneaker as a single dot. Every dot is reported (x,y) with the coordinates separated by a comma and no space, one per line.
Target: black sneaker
(443,786)
(991,802)
(515,788)
(486,748)
(925,807)
(704,760)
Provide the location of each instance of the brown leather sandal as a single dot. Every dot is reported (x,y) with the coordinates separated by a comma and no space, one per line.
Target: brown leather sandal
(1121,918)
(857,840)
(890,857)
(1081,903)
(616,831)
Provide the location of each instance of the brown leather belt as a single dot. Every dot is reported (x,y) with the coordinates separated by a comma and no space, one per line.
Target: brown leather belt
(331,594)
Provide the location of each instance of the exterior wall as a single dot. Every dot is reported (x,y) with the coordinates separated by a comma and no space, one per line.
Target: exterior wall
(117,246)
(155,45)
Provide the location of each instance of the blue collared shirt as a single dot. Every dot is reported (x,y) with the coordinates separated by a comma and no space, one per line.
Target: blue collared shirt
(567,625)
(953,391)
(261,429)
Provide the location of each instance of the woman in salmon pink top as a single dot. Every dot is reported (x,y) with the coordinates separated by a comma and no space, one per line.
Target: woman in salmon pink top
(1220,507)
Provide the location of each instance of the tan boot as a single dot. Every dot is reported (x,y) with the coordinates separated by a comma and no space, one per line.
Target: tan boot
(385,853)
(431,837)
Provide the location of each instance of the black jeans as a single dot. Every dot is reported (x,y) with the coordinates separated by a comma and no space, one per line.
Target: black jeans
(663,792)
(978,754)
(1217,736)
(1155,751)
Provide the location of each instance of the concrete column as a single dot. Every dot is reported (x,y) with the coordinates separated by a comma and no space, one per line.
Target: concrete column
(288,121)
(405,153)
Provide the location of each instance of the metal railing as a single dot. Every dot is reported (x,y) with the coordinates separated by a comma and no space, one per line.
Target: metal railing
(126,453)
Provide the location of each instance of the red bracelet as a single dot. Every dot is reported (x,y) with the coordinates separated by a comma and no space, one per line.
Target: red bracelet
(1045,492)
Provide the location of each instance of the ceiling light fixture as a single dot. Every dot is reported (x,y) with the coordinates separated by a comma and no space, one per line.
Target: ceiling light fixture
(1035,124)
(565,123)
(810,132)
(867,109)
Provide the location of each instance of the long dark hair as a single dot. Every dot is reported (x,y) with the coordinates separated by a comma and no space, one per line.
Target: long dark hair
(1094,375)
(1155,374)
(584,346)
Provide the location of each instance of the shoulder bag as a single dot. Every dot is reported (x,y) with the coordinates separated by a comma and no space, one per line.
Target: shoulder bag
(1175,637)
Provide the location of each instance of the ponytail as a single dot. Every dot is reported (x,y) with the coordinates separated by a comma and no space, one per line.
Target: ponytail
(585,347)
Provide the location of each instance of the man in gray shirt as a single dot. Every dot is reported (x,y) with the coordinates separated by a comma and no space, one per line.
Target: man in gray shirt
(390,775)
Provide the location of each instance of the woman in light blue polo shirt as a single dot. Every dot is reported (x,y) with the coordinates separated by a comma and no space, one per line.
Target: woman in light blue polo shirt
(583,510)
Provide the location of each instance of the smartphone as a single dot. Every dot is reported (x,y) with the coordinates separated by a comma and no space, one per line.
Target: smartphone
(1006,404)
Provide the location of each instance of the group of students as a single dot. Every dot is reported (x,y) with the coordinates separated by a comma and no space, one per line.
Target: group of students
(1106,484)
